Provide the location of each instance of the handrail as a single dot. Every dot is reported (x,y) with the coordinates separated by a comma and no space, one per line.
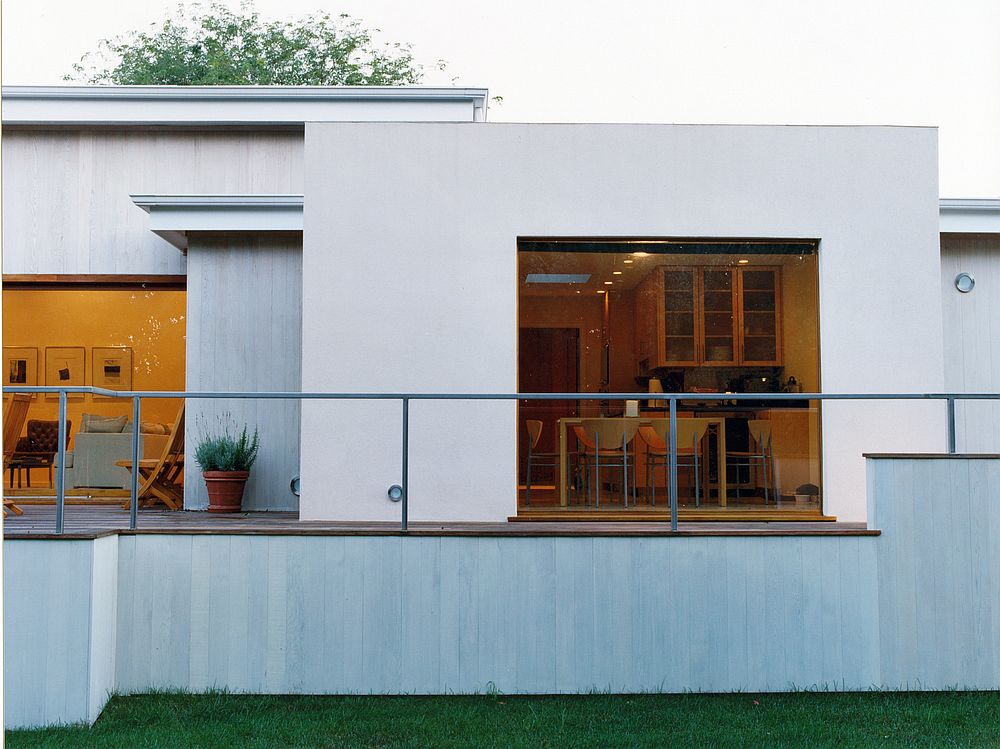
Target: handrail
(672,398)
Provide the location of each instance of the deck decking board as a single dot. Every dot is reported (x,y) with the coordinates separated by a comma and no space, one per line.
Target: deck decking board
(87,522)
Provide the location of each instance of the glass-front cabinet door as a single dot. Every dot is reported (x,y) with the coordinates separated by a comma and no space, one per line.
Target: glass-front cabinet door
(718,313)
(760,309)
(680,317)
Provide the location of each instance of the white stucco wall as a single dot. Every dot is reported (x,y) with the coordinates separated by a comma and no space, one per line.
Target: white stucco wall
(409,282)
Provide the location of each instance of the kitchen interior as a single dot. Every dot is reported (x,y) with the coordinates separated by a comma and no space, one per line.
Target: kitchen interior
(669,315)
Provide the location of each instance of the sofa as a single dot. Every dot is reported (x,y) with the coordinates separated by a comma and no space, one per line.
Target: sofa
(98,446)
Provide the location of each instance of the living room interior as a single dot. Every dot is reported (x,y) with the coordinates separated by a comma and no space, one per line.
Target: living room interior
(115,336)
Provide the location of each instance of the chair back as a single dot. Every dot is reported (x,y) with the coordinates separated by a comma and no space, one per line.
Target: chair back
(44,436)
(13,422)
(760,432)
(690,432)
(649,435)
(534,427)
(608,434)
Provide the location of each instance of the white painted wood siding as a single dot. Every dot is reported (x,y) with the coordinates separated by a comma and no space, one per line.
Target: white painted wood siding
(66,205)
(244,332)
(938,563)
(972,336)
(270,614)
(60,614)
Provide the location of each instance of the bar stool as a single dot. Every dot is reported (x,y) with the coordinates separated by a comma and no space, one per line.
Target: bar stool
(605,445)
(537,459)
(656,435)
(759,455)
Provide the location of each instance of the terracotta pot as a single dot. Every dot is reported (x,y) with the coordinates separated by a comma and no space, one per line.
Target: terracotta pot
(225,490)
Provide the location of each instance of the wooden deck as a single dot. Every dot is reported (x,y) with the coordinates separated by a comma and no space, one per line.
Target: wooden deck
(83,521)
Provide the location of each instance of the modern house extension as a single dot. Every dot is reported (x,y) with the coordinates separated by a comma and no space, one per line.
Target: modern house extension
(620,325)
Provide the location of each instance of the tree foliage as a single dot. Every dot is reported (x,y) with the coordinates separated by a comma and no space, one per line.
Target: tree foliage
(217,46)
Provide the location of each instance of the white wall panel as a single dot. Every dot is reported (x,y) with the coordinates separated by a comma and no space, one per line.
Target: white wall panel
(66,205)
(972,336)
(244,332)
(410,246)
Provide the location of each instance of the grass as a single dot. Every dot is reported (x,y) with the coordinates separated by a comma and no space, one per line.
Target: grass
(803,719)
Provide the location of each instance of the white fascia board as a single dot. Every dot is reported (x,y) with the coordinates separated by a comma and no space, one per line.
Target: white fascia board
(173,217)
(970,215)
(263,106)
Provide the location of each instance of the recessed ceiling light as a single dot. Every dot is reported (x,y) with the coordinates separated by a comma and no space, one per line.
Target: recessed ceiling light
(601,291)
(640,254)
(742,261)
(628,262)
(608,283)
(616,273)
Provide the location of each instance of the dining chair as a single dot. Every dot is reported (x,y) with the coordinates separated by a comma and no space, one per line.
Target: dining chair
(604,443)
(656,435)
(759,455)
(538,459)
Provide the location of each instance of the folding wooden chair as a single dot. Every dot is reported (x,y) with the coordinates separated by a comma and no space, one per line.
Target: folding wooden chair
(160,479)
(13,423)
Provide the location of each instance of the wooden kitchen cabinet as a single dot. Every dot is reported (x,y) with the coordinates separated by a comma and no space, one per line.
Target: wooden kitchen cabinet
(760,317)
(708,316)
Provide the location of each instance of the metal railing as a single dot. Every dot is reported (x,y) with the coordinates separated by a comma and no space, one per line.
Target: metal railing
(404,398)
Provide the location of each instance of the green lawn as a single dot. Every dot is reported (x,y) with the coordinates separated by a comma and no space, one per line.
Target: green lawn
(805,719)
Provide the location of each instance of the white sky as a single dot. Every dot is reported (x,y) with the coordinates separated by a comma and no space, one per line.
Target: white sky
(903,62)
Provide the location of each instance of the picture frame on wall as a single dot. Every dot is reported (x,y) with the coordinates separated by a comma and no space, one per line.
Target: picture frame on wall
(65,366)
(20,366)
(112,367)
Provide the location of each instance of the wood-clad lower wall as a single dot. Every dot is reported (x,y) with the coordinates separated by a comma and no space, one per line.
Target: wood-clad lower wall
(244,333)
(915,608)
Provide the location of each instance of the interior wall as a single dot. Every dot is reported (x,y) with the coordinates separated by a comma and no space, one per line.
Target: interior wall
(152,323)
(569,312)
(800,322)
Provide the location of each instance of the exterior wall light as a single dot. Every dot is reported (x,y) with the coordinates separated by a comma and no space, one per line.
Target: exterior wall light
(395,492)
(965,283)
(293,486)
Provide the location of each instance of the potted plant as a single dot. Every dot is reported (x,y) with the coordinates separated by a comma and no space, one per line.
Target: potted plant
(225,460)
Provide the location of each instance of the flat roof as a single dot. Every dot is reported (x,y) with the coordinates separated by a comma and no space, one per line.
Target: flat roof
(238,105)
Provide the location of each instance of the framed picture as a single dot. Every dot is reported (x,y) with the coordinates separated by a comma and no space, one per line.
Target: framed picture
(65,365)
(20,366)
(112,367)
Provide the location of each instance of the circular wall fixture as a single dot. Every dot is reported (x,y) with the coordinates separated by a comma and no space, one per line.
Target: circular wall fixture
(293,486)
(395,492)
(965,283)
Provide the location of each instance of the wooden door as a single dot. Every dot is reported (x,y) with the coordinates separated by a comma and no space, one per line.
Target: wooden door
(548,362)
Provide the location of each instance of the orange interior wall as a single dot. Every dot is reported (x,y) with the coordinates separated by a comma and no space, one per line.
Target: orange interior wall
(152,323)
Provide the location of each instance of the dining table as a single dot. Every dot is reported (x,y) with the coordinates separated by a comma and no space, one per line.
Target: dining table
(716,424)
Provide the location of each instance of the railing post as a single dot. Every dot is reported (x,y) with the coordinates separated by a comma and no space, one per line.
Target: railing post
(951,424)
(406,457)
(61,470)
(673,464)
(133,508)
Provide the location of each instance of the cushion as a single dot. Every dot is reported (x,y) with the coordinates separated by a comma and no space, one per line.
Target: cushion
(103,424)
(148,427)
